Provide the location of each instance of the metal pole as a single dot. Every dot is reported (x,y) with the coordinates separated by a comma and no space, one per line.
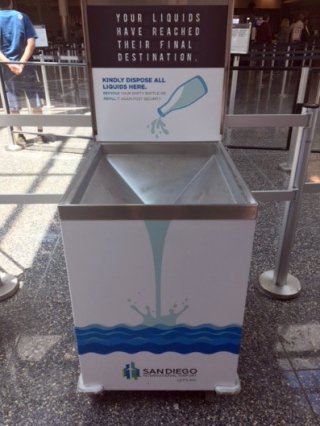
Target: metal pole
(311,54)
(285,74)
(278,283)
(296,133)
(317,99)
(45,82)
(233,91)
(64,13)
(9,284)
(234,83)
(12,145)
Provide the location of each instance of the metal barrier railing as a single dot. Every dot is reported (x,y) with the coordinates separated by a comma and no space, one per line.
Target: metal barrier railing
(294,54)
(300,96)
(57,120)
(8,283)
(278,283)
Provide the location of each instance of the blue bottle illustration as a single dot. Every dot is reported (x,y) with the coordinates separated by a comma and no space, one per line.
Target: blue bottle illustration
(184,95)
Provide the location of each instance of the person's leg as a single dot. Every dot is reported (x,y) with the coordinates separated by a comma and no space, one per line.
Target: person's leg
(40,138)
(33,91)
(38,110)
(12,91)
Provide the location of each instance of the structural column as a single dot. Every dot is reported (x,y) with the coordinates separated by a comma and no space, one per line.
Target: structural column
(63,12)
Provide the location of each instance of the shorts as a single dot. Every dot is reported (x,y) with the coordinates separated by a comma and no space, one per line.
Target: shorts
(19,86)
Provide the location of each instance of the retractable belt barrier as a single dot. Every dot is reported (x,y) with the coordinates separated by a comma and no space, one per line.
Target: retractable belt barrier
(278,283)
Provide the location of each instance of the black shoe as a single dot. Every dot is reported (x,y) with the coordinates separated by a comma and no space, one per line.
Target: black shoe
(20,140)
(40,140)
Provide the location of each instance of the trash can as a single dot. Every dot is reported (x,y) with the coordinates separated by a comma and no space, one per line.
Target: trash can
(158,240)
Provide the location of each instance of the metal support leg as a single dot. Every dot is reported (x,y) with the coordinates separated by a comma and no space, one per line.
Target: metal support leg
(234,83)
(279,284)
(296,132)
(233,91)
(285,74)
(12,145)
(9,285)
(45,83)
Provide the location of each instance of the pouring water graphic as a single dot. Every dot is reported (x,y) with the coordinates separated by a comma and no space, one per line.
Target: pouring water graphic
(182,97)
(159,332)
(157,231)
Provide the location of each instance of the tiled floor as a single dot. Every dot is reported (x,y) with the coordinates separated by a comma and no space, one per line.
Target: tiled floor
(279,364)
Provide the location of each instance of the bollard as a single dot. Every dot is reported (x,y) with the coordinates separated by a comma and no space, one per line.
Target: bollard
(278,283)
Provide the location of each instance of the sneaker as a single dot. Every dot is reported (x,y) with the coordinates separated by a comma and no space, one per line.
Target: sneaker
(40,140)
(20,140)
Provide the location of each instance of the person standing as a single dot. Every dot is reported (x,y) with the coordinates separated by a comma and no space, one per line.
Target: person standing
(306,35)
(296,30)
(284,32)
(264,32)
(17,44)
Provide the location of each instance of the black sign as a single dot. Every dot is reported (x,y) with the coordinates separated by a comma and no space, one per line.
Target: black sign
(157,36)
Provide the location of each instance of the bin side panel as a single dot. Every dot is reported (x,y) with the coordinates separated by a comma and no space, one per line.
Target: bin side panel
(158,295)
(169,371)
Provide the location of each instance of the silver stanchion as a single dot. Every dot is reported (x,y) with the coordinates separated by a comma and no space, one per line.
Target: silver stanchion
(234,83)
(278,283)
(296,133)
(233,91)
(285,74)
(12,145)
(45,83)
(9,285)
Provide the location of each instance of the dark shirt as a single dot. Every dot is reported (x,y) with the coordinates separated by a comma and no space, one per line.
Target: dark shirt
(15,29)
(264,33)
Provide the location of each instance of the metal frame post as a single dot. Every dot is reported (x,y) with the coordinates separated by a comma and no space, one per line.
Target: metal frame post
(234,83)
(45,82)
(233,91)
(12,145)
(278,283)
(285,74)
(296,133)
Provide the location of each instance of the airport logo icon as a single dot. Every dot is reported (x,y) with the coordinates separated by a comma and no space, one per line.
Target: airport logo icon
(131,372)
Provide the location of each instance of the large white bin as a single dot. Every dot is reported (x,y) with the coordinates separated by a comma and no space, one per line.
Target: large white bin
(158,241)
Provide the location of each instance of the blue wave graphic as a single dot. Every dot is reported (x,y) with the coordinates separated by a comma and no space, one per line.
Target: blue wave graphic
(182,339)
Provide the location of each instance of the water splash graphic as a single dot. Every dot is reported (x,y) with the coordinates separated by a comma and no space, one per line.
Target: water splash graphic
(150,320)
(158,128)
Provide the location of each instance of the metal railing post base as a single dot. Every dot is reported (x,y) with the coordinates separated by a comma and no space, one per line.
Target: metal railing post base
(289,290)
(13,147)
(9,285)
(286,167)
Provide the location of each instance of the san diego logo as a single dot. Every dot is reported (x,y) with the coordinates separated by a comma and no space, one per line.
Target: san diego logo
(131,372)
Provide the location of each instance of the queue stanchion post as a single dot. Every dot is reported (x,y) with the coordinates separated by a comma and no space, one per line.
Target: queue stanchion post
(279,283)
(9,285)
(233,91)
(45,82)
(296,132)
(285,74)
(12,146)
